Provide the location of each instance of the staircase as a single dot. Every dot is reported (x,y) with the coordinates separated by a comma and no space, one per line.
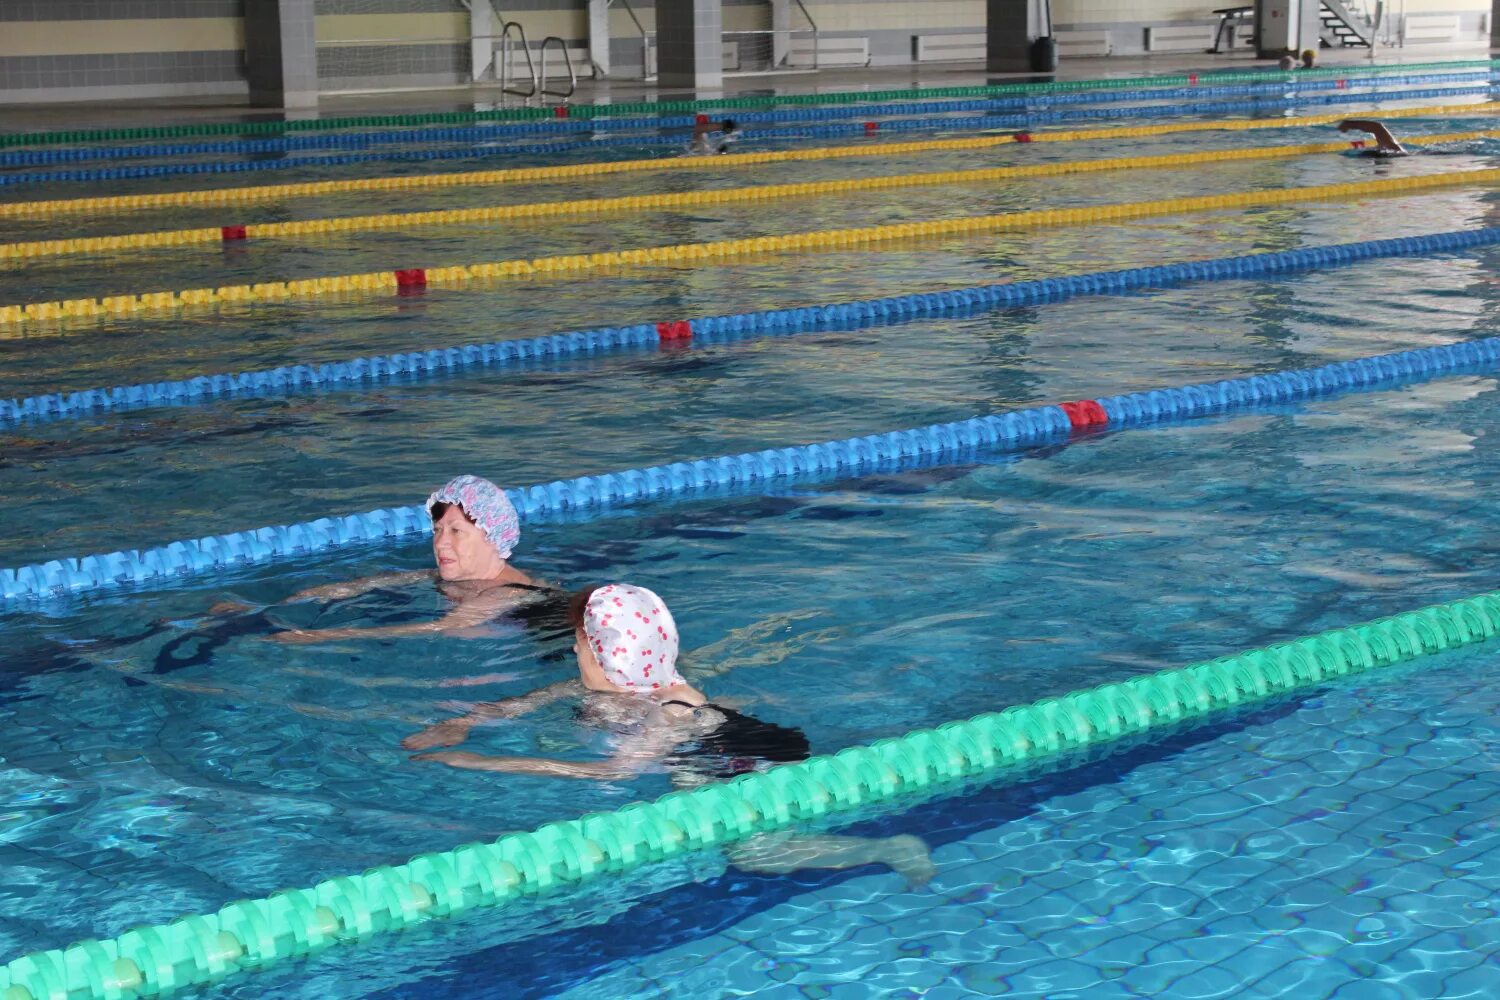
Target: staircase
(1343,27)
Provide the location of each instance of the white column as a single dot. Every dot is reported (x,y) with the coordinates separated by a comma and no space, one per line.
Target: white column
(599,36)
(483,27)
(781,24)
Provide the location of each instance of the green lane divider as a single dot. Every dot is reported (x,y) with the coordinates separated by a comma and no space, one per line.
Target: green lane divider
(193,950)
(762,101)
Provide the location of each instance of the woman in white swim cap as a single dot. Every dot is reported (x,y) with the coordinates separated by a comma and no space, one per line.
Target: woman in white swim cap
(627,644)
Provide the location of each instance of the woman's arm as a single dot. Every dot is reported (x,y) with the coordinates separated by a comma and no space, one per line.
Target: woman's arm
(451,731)
(472,612)
(353,588)
(540,766)
(1383,137)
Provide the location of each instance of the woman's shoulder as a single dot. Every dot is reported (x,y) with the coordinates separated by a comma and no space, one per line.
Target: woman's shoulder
(680,698)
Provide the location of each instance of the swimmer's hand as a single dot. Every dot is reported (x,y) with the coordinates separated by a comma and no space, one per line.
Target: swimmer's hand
(497,678)
(305,637)
(464,759)
(539,766)
(327,592)
(443,734)
(230,608)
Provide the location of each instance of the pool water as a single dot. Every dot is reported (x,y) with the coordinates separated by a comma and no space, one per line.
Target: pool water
(158,760)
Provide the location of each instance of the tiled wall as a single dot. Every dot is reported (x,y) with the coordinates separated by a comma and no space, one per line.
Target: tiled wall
(115,10)
(81,50)
(366,67)
(90,49)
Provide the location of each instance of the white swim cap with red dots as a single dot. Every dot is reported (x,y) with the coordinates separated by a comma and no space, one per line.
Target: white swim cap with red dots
(633,636)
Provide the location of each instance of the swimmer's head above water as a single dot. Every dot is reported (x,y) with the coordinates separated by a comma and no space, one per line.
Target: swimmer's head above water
(474,529)
(625,639)
(731,133)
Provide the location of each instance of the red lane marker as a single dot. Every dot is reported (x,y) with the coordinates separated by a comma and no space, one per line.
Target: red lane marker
(1358,144)
(1340,84)
(1084,414)
(233,233)
(1022,137)
(701,119)
(561,111)
(1193,78)
(411,280)
(674,331)
(871,127)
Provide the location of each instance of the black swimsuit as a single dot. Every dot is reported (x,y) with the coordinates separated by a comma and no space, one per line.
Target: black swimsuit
(738,745)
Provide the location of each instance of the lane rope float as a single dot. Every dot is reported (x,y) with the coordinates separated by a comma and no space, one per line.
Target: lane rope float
(847,315)
(1011,431)
(781,100)
(853,129)
(652,202)
(276,192)
(410,280)
(296,923)
(1283,91)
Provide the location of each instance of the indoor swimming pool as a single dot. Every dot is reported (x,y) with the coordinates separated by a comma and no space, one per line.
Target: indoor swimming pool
(161,755)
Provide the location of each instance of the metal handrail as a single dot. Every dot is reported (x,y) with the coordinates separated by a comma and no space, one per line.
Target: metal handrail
(646,73)
(814,25)
(567,61)
(505,86)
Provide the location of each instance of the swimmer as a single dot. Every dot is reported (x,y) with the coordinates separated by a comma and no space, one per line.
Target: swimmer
(703,132)
(1286,63)
(1386,144)
(626,643)
(1309,58)
(474,529)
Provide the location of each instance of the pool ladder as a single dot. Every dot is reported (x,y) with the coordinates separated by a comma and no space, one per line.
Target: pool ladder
(535,75)
(567,64)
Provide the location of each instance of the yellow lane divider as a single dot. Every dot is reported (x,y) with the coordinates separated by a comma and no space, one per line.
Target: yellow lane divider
(693,253)
(690,199)
(276,192)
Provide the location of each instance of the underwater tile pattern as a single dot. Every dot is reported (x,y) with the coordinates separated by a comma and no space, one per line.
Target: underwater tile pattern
(1350,849)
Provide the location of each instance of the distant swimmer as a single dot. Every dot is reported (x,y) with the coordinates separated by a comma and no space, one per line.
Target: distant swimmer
(710,139)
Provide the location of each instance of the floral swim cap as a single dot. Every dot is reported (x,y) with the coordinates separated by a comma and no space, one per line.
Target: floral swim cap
(487,506)
(634,637)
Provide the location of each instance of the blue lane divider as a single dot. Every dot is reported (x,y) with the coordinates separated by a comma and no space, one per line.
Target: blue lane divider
(847,315)
(364,140)
(931,124)
(1016,430)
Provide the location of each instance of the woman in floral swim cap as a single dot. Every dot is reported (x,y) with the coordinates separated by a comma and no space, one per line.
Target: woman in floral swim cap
(474,530)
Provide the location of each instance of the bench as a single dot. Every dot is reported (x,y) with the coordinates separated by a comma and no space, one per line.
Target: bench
(557,68)
(1232,24)
(1429,28)
(1179,38)
(731,59)
(1083,43)
(949,48)
(853,51)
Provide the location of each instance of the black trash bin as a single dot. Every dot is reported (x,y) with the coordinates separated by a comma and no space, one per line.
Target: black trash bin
(1044,49)
(1044,55)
